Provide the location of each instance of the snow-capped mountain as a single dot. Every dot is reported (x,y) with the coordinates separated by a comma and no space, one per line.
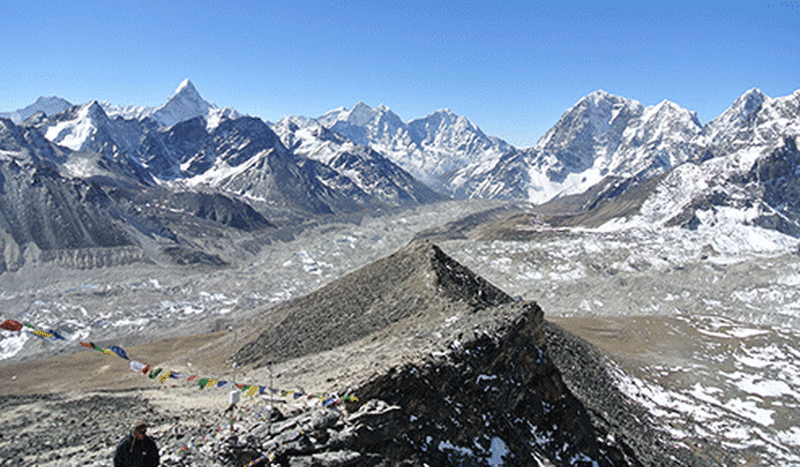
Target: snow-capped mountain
(346,159)
(753,186)
(192,143)
(87,129)
(49,105)
(44,210)
(754,119)
(739,179)
(441,149)
(743,171)
(246,158)
(186,103)
(455,148)
(369,170)
(600,136)
(605,137)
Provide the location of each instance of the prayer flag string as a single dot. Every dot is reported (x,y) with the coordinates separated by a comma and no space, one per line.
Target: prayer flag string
(163,375)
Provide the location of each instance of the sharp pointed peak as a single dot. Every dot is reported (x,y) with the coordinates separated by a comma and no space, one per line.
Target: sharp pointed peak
(668,104)
(186,86)
(93,107)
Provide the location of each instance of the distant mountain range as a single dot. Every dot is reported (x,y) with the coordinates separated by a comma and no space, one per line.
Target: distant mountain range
(363,158)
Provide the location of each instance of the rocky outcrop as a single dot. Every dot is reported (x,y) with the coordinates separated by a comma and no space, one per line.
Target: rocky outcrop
(472,383)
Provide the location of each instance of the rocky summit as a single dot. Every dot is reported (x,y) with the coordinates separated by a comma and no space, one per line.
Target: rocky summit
(443,368)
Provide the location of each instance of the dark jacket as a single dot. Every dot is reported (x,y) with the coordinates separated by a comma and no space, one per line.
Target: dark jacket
(132,452)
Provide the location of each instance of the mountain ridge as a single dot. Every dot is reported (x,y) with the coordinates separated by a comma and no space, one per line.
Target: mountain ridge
(366,157)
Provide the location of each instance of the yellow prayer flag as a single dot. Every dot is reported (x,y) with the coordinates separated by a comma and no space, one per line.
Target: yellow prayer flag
(212,383)
(252,391)
(165,376)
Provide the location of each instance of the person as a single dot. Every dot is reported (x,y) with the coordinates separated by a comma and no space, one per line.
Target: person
(137,449)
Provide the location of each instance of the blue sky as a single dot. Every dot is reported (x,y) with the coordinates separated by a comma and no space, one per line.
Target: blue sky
(510,67)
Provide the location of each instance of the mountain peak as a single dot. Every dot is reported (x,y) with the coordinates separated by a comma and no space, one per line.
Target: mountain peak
(93,110)
(599,94)
(753,93)
(361,106)
(49,105)
(184,105)
(417,280)
(600,97)
(749,102)
(741,112)
(186,86)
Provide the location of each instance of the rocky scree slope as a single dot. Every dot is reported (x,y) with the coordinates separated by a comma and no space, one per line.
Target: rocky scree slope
(468,374)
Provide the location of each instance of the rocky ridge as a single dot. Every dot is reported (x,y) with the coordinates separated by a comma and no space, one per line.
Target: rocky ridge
(468,371)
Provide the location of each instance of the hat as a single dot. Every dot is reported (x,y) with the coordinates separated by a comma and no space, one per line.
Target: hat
(138,424)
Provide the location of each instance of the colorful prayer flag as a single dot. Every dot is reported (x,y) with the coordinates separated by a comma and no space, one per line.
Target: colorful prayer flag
(119,351)
(11,325)
(56,335)
(42,333)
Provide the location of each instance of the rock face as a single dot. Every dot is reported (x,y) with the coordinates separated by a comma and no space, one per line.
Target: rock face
(602,136)
(498,398)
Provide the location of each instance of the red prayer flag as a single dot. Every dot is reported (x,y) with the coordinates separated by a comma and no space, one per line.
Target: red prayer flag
(11,325)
